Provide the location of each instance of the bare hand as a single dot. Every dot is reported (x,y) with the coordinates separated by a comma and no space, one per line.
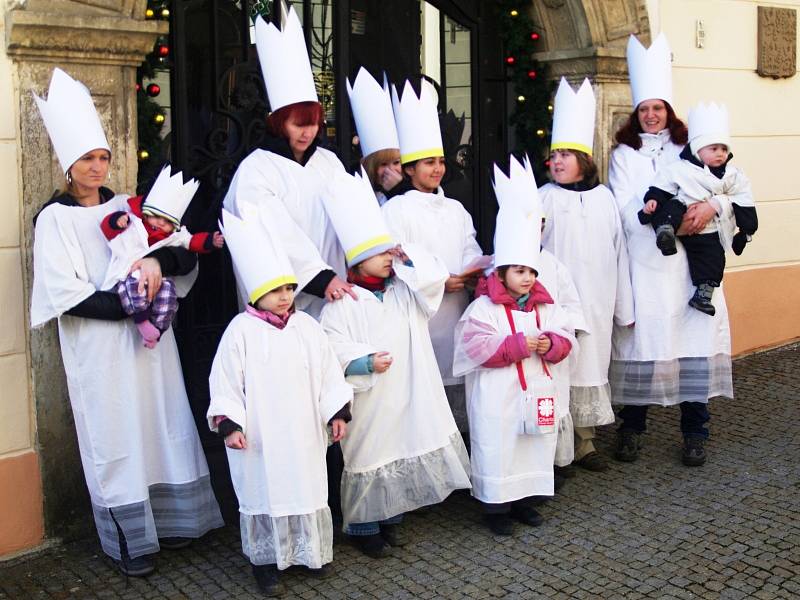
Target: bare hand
(399,253)
(218,240)
(337,289)
(123,222)
(454,283)
(338,429)
(650,207)
(543,344)
(149,276)
(696,218)
(381,361)
(532,343)
(389,179)
(236,441)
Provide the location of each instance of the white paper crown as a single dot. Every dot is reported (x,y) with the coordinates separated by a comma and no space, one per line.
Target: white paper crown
(71,119)
(372,111)
(417,122)
(356,217)
(708,124)
(260,262)
(650,70)
(284,62)
(573,118)
(170,197)
(518,231)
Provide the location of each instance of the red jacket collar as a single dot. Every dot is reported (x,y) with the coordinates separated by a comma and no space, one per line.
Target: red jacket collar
(497,292)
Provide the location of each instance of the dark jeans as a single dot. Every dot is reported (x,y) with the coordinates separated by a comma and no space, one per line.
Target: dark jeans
(694,416)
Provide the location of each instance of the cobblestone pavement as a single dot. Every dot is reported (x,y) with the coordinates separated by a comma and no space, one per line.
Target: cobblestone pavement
(651,529)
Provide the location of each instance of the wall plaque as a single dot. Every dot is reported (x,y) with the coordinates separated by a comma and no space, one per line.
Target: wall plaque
(777,42)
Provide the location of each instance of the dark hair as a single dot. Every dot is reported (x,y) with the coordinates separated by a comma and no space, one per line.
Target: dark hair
(302,113)
(628,134)
(587,167)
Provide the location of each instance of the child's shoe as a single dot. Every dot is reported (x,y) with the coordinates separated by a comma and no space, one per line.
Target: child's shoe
(392,536)
(373,545)
(644,218)
(702,298)
(694,451)
(149,332)
(526,515)
(628,444)
(500,524)
(267,580)
(665,240)
(739,242)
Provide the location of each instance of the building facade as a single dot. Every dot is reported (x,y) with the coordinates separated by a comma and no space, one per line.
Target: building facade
(716,56)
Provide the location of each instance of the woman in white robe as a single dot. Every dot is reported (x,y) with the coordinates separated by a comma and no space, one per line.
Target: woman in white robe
(583,231)
(675,354)
(141,455)
(403,450)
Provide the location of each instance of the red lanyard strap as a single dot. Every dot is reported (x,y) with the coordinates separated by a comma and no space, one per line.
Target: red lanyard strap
(520,372)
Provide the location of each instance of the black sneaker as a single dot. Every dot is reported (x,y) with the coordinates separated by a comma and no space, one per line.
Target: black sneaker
(694,451)
(628,444)
(702,299)
(321,573)
(373,545)
(267,580)
(526,515)
(392,536)
(665,240)
(174,543)
(141,566)
(500,524)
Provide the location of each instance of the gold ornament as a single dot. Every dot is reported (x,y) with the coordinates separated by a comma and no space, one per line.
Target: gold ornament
(144,155)
(159,118)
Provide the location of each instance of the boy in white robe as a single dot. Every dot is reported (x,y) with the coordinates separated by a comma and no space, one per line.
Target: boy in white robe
(275,385)
(404,450)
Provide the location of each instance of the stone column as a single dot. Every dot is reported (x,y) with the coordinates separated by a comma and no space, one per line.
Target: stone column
(101,43)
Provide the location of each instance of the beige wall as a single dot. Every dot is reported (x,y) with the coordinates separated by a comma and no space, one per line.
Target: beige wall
(20,481)
(765,142)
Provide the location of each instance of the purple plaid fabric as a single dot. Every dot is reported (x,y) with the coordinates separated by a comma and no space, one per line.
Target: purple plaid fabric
(162,309)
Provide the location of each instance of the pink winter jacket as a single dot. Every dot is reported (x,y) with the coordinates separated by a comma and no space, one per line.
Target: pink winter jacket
(515,348)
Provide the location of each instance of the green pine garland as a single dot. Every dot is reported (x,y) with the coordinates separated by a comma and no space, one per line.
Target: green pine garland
(532,92)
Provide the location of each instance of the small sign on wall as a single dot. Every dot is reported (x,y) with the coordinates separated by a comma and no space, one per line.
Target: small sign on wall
(777,42)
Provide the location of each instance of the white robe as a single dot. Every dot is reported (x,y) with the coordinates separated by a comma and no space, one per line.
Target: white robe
(443,227)
(269,188)
(282,386)
(507,465)
(582,229)
(674,353)
(139,446)
(555,277)
(403,450)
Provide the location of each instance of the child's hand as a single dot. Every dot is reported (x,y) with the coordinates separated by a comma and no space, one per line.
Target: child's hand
(650,207)
(389,179)
(381,361)
(123,222)
(533,343)
(399,254)
(338,429)
(236,441)
(543,344)
(218,240)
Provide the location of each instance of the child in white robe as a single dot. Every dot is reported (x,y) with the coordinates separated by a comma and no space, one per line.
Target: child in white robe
(275,386)
(403,450)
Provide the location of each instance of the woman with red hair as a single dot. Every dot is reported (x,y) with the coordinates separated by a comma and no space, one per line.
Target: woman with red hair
(675,354)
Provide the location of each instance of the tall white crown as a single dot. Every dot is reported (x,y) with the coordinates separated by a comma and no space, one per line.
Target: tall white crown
(417,122)
(708,124)
(71,119)
(356,217)
(170,197)
(372,111)
(518,231)
(284,62)
(650,70)
(573,118)
(259,260)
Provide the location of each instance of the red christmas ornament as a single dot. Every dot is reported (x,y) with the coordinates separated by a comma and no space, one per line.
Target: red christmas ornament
(547,164)
(138,86)
(534,36)
(153,90)
(163,50)
(510,60)
(532,74)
